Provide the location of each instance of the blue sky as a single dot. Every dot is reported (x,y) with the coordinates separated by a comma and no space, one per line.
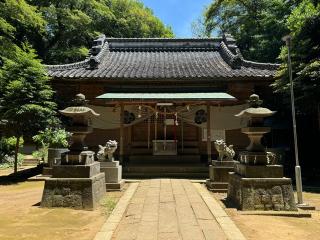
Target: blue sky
(179,14)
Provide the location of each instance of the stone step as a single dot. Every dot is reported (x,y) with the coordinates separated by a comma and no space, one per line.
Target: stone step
(146,151)
(144,168)
(30,162)
(184,171)
(165,175)
(161,159)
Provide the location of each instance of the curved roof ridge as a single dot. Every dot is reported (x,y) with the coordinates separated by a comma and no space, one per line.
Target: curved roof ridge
(82,64)
(234,60)
(67,66)
(237,60)
(162,39)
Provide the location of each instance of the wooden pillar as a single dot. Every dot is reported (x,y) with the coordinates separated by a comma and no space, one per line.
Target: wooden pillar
(148,113)
(182,144)
(209,133)
(121,132)
(165,129)
(155,128)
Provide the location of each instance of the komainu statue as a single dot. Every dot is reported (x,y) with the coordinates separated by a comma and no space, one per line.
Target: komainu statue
(106,152)
(225,152)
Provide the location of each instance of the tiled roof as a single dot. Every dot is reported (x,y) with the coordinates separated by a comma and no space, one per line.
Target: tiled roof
(213,58)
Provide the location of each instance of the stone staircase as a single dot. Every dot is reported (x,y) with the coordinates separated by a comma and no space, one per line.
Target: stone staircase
(29,160)
(181,166)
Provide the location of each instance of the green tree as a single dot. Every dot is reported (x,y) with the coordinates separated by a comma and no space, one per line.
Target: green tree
(198,28)
(25,97)
(72,24)
(258,25)
(303,24)
(19,22)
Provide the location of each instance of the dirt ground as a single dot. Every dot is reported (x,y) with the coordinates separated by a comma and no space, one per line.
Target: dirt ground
(22,218)
(7,171)
(278,228)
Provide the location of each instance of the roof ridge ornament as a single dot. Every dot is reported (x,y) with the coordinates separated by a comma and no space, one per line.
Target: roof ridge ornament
(97,45)
(93,63)
(234,60)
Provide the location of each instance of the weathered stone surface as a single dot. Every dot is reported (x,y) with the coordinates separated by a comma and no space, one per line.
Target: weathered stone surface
(77,158)
(76,171)
(79,193)
(113,174)
(115,186)
(259,171)
(253,158)
(261,193)
(223,163)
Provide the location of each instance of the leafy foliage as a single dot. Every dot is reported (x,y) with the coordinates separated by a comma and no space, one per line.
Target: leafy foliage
(71,25)
(7,146)
(303,23)
(19,22)
(258,25)
(25,97)
(53,138)
(8,161)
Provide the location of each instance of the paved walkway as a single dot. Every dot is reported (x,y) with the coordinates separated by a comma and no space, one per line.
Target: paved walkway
(167,209)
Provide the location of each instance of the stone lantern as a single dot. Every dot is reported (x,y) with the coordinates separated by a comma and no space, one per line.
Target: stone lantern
(77,182)
(257,183)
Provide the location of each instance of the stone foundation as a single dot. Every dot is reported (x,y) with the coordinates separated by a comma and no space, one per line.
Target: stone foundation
(79,193)
(75,186)
(113,175)
(219,175)
(261,193)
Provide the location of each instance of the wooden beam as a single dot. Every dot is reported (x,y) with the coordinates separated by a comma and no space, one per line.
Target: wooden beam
(121,132)
(209,133)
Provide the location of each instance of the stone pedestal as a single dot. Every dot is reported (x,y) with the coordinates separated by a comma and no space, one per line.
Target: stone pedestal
(113,175)
(219,175)
(78,185)
(254,187)
(54,158)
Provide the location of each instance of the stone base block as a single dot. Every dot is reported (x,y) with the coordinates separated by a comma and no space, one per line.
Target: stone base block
(221,187)
(224,163)
(77,158)
(259,171)
(76,171)
(253,158)
(110,164)
(115,186)
(47,171)
(79,193)
(261,193)
(113,173)
(220,173)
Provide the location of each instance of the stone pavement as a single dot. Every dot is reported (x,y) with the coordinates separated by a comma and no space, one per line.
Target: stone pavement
(169,209)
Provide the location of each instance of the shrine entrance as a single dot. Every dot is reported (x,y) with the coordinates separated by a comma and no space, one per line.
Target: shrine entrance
(167,133)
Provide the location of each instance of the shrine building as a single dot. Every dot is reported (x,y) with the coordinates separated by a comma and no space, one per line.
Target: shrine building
(164,100)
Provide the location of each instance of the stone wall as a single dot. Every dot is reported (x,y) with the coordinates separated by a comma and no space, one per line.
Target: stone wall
(261,194)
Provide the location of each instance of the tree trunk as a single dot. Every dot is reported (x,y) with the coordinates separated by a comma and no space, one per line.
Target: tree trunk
(16,151)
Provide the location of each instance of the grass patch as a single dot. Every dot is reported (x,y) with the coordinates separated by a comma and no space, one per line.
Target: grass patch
(108,203)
